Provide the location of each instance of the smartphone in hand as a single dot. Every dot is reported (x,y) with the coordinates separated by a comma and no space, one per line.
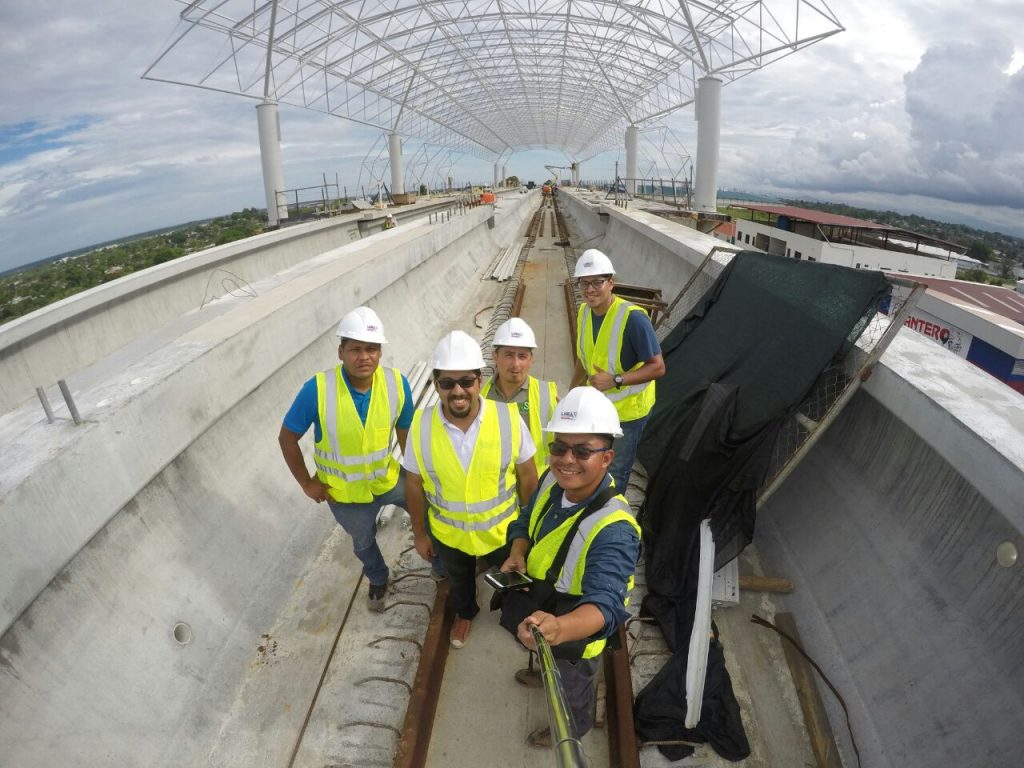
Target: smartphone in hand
(503,580)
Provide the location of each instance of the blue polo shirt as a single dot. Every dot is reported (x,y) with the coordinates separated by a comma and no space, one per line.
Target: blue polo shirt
(304,409)
(611,559)
(639,344)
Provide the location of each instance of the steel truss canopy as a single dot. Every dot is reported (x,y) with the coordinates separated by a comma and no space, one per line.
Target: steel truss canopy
(485,76)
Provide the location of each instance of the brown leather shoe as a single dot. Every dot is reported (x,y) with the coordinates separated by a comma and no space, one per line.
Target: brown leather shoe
(460,632)
(530,678)
(540,739)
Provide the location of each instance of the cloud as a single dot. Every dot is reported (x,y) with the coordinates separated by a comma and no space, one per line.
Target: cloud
(919,101)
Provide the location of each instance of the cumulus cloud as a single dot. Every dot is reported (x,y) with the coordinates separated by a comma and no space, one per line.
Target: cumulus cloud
(919,100)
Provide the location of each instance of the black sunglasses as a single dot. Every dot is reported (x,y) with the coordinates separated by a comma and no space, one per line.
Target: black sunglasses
(581,452)
(466,382)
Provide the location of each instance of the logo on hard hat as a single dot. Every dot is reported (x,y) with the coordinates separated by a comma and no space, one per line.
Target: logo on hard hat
(372,328)
(588,263)
(568,415)
(517,334)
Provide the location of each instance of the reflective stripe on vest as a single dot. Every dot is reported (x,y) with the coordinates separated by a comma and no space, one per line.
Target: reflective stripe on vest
(543,552)
(365,467)
(632,401)
(542,396)
(459,518)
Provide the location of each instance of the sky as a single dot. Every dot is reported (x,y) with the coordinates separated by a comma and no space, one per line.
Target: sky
(916,107)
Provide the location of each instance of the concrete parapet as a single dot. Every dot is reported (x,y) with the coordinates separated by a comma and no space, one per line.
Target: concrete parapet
(61,484)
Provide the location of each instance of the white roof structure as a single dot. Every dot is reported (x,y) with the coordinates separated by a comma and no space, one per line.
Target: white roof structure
(485,76)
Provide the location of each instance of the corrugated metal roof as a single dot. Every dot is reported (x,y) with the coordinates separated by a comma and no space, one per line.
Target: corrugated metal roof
(816,217)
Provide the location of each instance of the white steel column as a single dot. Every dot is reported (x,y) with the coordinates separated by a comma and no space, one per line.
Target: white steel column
(503,176)
(632,141)
(395,157)
(496,171)
(709,114)
(269,127)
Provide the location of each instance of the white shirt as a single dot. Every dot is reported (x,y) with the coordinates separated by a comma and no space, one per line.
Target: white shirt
(465,442)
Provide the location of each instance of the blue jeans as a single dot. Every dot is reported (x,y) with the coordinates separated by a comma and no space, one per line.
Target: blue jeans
(360,522)
(578,684)
(625,452)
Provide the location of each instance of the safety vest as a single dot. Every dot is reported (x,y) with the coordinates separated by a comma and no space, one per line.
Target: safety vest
(542,553)
(469,510)
(542,397)
(632,401)
(351,458)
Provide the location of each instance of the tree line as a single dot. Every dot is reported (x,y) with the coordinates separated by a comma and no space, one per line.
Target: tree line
(39,285)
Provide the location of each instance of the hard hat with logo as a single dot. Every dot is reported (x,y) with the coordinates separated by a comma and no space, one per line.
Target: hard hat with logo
(362,324)
(514,332)
(458,351)
(585,410)
(593,262)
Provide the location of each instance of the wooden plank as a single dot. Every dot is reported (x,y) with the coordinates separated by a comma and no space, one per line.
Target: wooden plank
(765,584)
(815,718)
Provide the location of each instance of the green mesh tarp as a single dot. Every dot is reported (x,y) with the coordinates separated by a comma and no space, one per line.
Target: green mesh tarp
(736,367)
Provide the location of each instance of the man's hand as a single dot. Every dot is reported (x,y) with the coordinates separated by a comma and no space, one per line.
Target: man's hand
(602,380)
(548,625)
(315,489)
(514,563)
(424,547)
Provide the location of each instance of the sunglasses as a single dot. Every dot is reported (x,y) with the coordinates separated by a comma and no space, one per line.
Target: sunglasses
(466,382)
(580,452)
(586,285)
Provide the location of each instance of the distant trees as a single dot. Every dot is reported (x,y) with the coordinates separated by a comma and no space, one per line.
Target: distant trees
(980,250)
(26,291)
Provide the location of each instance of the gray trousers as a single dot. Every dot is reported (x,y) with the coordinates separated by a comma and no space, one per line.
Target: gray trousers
(578,683)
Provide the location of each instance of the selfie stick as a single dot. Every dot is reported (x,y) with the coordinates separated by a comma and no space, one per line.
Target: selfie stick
(568,749)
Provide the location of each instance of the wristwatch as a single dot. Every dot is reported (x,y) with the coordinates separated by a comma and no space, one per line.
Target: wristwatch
(618,379)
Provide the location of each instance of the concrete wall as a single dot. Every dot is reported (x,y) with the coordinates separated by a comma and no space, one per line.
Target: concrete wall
(175,506)
(889,530)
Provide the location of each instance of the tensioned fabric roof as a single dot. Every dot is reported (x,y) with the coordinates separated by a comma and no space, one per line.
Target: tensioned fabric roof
(485,76)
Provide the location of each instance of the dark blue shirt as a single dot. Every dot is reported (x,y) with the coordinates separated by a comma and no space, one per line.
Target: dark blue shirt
(639,343)
(304,409)
(611,558)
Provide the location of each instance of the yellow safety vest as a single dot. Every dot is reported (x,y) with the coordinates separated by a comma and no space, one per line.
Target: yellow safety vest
(632,401)
(469,510)
(542,553)
(542,397)
(351,458)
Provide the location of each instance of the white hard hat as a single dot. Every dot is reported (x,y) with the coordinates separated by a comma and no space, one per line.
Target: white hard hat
(514,332)
(593,262)
(585,410)
(362,324)
(458,351)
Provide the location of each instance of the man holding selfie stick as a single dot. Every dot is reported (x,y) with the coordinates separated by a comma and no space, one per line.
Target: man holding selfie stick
(578,541)
(469,467)
(514,342)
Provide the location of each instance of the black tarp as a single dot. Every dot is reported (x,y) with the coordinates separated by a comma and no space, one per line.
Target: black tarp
(736,367)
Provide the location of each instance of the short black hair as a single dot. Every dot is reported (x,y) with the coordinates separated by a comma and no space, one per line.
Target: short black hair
(608,440)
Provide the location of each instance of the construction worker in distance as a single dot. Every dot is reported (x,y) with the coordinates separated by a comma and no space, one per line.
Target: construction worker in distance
(513,344)
(586,595)
(616,352)
(469,467)
(354,409)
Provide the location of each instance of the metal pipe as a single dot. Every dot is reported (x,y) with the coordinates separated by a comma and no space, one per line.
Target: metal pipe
(568,749)
(69,400)
(46,403)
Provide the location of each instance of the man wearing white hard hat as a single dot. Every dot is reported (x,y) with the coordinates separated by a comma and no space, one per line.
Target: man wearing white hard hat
(578,596)
(354,409)
(514,342)
(616,352)
(469,467)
